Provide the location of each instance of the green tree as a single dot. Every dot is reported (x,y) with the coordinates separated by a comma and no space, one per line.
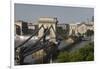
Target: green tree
(85,53)
(62,32)
(76,56)
(89,33)
(63,57)
(90,57)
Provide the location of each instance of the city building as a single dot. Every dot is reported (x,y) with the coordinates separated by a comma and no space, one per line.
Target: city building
(21,27)
(81,28)
(24,28)
(73,29)
(63,26)
(32,27)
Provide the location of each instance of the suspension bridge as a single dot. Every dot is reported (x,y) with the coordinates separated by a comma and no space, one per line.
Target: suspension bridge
(47,48)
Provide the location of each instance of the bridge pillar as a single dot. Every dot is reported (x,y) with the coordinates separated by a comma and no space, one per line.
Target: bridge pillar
(47,22)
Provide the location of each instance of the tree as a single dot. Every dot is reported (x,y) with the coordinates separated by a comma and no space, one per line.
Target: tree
(85,53)
(90,57)
(62,32)
(76,56)
(89,33)
(63,57)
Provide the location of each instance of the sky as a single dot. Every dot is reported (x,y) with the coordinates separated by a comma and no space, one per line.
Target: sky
(64,14)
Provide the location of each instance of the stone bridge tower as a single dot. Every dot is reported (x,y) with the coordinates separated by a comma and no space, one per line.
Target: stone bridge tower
(47,22)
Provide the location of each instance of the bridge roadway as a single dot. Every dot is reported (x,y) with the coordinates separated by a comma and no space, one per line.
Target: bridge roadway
(25,51)
(28,53)
(18,41)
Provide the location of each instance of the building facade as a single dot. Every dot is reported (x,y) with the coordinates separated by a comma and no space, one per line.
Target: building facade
(73,29)
(21,27)
(80,28)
